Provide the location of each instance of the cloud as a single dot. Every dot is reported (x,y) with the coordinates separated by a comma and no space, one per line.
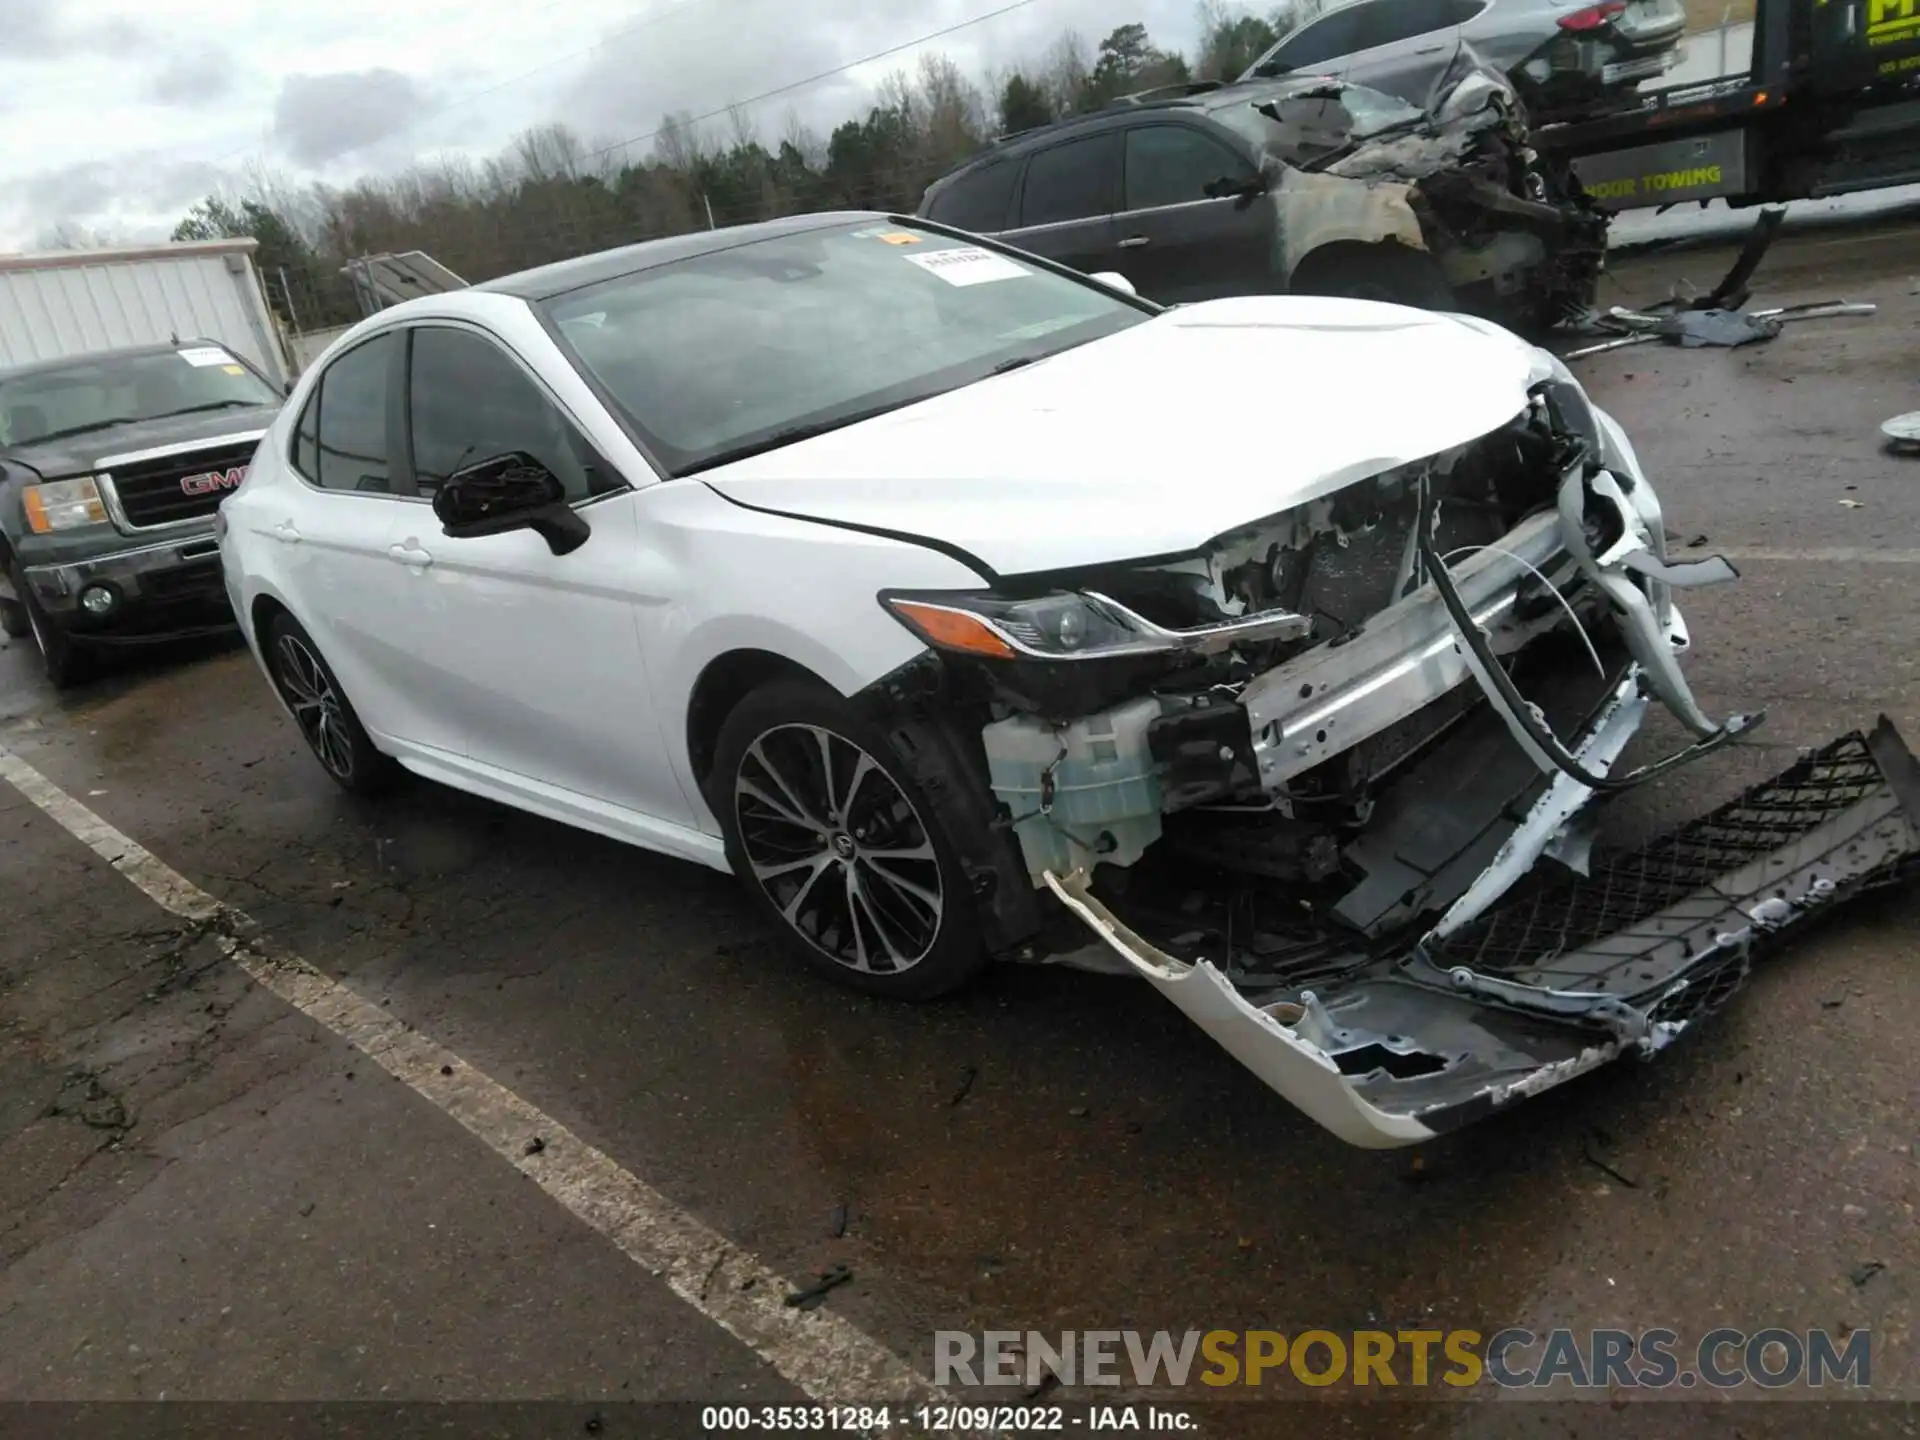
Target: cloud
(130,185)
(49,29)
(192,77)
(698,61)
(320,118)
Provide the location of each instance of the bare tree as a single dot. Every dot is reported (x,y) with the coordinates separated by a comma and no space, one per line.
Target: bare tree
(1064,72)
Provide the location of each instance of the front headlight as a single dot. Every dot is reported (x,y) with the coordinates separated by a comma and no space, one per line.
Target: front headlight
(63,505)
(1062,626)
(1070,625)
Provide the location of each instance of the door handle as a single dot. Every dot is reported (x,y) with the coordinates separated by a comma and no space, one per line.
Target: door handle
(1429,49)
(410,553)
(285,533)
(1134,242)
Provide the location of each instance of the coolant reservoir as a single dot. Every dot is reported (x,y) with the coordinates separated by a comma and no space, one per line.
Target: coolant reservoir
(1103,803)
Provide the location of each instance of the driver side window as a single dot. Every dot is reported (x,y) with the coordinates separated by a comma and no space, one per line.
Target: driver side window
(1175,164)
(468,401)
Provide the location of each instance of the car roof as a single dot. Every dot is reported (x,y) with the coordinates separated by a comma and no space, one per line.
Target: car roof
(62,362)
(1203,98)
(547,281)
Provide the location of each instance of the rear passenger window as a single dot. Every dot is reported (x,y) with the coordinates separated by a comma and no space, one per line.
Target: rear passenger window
(1074,181)
(1387,22)
(1173,164)
(352,439)
(1325,39)
(978,200)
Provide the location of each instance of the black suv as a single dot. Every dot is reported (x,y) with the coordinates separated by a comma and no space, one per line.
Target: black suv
(111,468)
(1309,185)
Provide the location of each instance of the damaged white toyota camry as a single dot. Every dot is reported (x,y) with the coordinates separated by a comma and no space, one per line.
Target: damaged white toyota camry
(968,608)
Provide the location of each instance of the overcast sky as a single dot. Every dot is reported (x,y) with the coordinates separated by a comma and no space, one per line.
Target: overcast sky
(117,115)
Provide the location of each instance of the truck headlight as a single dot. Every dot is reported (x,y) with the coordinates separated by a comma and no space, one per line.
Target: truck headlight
(63,505)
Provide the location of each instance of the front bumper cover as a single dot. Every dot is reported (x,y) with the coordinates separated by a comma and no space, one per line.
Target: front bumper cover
(1563,977)
(161,591)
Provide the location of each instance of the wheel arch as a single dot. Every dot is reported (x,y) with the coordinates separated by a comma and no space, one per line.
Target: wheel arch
(722,684)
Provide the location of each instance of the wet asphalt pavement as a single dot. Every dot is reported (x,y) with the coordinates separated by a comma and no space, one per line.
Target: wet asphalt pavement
(204,1194)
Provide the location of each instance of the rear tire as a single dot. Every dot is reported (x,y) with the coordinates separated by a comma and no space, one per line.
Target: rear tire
(842,850)
(13,620)
(321,710)
(1389,273)
(66,663)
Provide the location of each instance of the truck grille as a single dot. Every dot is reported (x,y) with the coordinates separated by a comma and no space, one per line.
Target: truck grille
(185,486)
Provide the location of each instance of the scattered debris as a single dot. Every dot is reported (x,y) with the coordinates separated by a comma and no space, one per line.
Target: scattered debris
(1049,1382)
(306,1209)
(1695,329)
(1903,433)
(1832,1002)
(1586,1149)
(1696,542)
(1854,504)
(837,1222)
(967,1076)
(534,1146)
(446,1069)
(1865,1271)
(1080,1112)
(1854,1212)
(815,1295)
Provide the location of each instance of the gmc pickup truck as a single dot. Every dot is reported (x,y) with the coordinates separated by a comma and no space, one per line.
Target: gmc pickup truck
(111,468)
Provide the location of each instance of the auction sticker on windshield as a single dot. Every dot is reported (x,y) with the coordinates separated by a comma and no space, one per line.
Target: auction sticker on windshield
(204,355)
(968,265)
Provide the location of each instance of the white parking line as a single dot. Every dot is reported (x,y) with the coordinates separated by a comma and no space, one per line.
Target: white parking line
(818,1351)
(1834,555)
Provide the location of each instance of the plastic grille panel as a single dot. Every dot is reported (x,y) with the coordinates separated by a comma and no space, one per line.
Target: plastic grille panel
(1634,902)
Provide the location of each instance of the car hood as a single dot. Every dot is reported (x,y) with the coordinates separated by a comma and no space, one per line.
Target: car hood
(1156,440)
(82,454)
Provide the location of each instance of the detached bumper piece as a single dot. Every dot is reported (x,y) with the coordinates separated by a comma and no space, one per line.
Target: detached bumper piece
(1565,974)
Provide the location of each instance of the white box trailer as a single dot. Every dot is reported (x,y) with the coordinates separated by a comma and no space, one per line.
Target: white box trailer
(72,301)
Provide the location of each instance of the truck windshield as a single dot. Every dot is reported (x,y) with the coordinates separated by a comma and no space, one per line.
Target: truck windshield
(109,390)
(722,355)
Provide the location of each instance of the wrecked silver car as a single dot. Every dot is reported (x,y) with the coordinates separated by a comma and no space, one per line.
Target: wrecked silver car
(1304,185)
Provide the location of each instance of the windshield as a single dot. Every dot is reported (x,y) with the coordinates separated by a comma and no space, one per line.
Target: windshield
(1309,124)
(725,354)
(112,390)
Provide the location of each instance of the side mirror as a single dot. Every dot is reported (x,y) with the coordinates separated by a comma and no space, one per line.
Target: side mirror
(1114,280)
(509,492)
(1245,191)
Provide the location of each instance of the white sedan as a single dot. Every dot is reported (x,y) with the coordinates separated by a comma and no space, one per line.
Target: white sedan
(970,608)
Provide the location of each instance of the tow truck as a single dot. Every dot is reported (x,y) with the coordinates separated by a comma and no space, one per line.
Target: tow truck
(1830,105)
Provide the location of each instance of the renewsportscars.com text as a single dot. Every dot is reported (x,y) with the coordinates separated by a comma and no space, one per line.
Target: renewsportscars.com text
(1514,1358)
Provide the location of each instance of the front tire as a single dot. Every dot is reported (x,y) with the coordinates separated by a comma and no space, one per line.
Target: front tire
(66,663)
(826,827)
(322,711)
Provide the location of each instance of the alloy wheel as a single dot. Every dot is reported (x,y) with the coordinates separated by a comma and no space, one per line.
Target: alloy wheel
(839,849)
(316,705)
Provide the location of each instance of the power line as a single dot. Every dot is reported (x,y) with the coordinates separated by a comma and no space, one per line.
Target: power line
(812,79)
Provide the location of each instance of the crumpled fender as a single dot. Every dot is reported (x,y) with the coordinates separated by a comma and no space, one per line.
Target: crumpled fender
(1312,210)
